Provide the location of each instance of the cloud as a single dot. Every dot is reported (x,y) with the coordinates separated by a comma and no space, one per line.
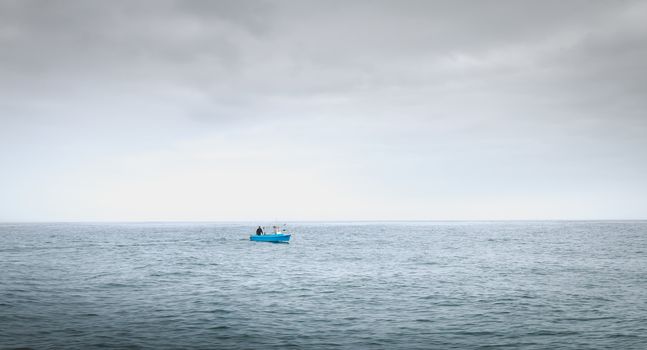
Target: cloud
(403,104)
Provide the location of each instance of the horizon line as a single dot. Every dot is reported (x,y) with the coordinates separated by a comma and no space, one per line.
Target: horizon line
(304,221)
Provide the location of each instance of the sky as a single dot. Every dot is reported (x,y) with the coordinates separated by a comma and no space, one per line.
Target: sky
(322,110)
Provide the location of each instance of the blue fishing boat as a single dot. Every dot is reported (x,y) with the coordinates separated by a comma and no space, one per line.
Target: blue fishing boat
(277,237)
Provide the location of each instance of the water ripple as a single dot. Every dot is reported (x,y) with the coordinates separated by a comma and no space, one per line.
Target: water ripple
(528,285)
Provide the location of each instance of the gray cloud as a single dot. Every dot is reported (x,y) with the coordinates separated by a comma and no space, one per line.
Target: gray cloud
(527,94)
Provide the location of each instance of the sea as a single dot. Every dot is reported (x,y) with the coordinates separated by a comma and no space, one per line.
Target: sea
(343,285)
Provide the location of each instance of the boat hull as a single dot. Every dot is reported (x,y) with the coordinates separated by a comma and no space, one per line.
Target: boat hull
(270,238)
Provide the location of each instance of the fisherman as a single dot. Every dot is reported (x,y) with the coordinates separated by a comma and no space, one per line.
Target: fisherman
(259,231)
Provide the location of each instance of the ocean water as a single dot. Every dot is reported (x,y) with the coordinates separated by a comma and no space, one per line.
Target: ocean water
(420,285)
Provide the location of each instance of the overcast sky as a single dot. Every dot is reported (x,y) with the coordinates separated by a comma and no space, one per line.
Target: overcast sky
(327,110)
